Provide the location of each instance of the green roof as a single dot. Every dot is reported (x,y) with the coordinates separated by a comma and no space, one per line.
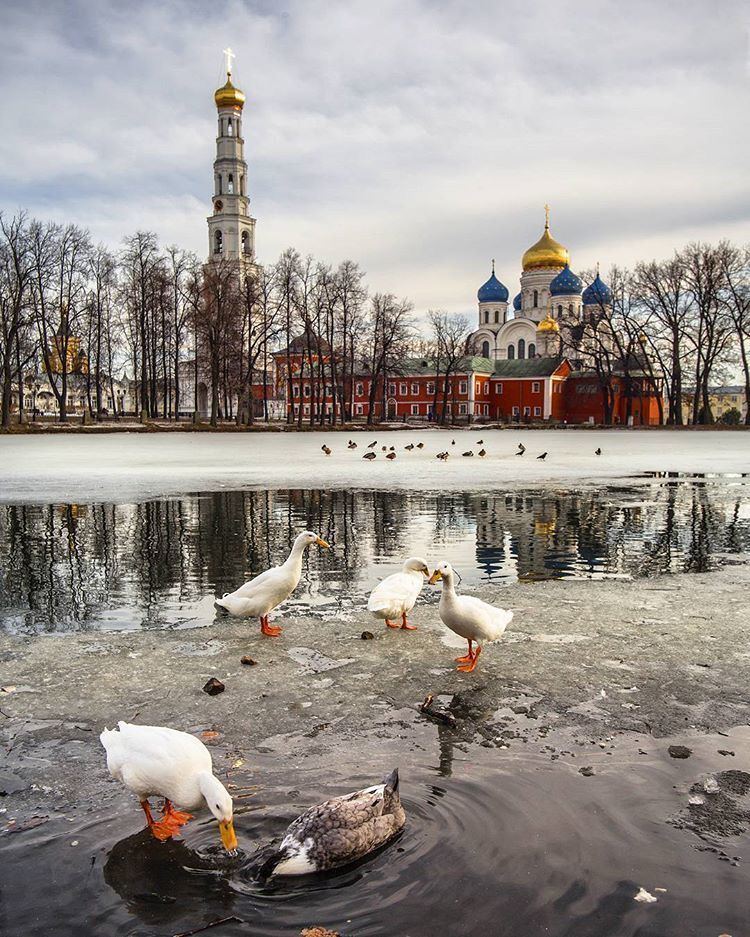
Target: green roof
(527,367)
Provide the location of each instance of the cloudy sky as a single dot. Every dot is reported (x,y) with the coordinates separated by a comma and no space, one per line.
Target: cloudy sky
(419,138)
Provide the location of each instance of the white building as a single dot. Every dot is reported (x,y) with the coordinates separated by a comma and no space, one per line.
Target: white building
(544,314)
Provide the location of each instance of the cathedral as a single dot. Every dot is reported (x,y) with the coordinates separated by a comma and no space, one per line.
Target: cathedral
(548,311)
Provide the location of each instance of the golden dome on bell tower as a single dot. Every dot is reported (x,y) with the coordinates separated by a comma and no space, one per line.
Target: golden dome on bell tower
(547,252)
(228,95)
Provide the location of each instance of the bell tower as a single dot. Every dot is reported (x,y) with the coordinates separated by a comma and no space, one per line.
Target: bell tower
(231,230)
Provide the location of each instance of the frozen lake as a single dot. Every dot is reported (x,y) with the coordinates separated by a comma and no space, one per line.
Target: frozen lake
(125,467)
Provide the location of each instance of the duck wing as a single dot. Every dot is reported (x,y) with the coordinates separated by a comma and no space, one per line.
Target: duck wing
(341,830)
(394,595)
(489,619)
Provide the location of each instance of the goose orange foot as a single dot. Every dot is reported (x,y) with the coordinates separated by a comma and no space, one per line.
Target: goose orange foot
(392,624)
(270,630)
(466,658)
(177,816)
(468,667)
(405,624)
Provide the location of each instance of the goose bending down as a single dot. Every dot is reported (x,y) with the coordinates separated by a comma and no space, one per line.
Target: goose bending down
(469,617)
(341,830)
(256,598)
(154,761)
(396,595)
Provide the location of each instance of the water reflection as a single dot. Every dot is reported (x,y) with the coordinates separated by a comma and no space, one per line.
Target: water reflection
(160,563)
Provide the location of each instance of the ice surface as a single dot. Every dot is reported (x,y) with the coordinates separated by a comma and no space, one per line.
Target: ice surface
(127,467)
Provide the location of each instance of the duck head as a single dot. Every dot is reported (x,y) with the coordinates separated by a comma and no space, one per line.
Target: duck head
(220,804)
(415,564)
(444,572)
(307,538)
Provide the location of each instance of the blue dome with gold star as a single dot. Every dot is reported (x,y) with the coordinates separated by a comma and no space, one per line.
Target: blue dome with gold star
(493,291)
(566,283)
(597,293)
(517,302)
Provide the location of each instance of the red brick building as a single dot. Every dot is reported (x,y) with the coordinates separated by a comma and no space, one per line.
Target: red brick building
(480,390)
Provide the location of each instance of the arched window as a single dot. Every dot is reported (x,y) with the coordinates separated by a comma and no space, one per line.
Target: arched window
(559,311)
(230,183)
(485,349)
(497,315)
(245,243)
(242,184)
(218,185)
(521,348)
(570,308)
(218,242)
(532,350)
(511,352)
(229,127)
(486,315)
(536,298)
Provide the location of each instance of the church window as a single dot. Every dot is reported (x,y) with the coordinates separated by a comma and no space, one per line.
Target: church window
(486,315)
(497,315)
(245,243)
(485,349)
(218,185)
(229,127)
(242,184)
(230,184)
(218,242)
(536,298)
(559,311)
(511,352)
(532,350)
(570,309)
(521,348)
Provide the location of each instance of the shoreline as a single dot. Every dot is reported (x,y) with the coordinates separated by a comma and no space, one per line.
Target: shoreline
(166,426)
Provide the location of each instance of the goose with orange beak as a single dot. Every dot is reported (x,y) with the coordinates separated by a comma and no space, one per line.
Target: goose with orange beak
(471,618)
(155,761)
(259,596)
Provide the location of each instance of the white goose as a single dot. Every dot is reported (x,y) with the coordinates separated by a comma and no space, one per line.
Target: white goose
(341,830)
(256,598)
(469,617)
(396,595)
(154,761)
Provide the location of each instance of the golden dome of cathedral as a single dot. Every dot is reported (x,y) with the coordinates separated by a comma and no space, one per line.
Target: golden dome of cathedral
(548,325)
(547,252)
(228,95)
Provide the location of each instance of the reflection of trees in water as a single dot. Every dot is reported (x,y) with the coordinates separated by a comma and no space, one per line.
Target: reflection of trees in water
(66,565)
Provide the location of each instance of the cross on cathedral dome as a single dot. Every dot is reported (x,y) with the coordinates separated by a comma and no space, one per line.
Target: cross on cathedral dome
(493,291)
(547,252)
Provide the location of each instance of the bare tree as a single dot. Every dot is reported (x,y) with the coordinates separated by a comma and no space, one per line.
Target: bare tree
(735,268)
(449,334)
(220,322)
(390,334)
(16,277)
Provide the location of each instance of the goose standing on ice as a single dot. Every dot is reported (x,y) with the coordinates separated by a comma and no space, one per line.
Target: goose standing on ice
(256,598)
(341,830)
(396,595)
(154,761)
(469,617)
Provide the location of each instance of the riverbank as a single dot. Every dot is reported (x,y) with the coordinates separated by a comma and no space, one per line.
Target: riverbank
(581,663)
(129,425)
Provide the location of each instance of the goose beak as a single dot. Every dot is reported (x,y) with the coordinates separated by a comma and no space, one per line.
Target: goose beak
(228,836)
(435,577)
(321,543)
